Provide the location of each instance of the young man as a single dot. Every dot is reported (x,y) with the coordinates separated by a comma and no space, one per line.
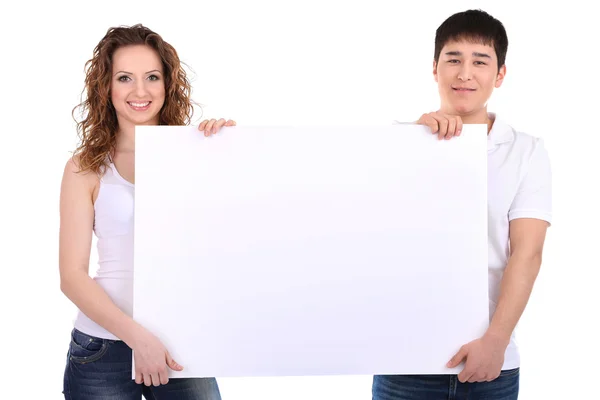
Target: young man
(470,50)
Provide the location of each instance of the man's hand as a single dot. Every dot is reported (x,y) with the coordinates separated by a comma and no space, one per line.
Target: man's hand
(446,126)
(484,358)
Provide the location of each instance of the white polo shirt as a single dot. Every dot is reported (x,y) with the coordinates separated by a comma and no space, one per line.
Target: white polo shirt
(519,186)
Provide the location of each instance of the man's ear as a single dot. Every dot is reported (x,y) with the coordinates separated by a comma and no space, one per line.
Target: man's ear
(500,77)
(435,75)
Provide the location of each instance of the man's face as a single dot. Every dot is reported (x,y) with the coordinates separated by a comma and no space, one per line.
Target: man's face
(466,74)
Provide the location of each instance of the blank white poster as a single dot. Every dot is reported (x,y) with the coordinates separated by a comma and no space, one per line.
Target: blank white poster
(288,251)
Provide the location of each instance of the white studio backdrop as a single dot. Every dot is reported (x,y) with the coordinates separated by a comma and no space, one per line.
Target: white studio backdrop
(294,63)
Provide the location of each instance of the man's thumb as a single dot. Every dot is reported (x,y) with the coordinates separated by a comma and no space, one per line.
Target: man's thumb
(458,357)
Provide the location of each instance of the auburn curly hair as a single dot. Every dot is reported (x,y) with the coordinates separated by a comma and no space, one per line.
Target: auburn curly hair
(98,129)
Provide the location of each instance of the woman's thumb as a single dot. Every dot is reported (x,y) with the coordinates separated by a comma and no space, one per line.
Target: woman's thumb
(172,364)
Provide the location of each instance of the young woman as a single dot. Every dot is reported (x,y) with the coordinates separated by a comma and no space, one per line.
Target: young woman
(134,78)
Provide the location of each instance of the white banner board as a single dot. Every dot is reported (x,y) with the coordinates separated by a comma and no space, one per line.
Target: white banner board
(266,251)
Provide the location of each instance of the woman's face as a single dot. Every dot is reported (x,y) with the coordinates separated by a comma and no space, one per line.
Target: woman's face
(137,85)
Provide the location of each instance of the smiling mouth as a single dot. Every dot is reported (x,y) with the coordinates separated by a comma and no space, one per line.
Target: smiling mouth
(139,106)
(463,90)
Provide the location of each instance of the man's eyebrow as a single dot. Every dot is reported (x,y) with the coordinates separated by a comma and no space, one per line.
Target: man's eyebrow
(475,54)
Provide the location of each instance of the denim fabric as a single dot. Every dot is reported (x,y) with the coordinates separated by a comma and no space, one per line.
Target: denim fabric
(100,369)
(445,387)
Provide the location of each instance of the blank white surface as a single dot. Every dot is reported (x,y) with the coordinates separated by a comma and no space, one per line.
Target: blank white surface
(311,251)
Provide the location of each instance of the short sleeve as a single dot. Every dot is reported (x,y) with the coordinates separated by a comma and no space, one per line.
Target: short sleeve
(534,196)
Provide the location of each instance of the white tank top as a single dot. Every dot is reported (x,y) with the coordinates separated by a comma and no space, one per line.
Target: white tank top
(113,226)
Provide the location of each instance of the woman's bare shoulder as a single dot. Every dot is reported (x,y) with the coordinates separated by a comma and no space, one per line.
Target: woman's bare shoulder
(74,179)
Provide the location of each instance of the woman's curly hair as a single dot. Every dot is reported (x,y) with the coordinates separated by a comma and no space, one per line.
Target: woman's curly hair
(98,128)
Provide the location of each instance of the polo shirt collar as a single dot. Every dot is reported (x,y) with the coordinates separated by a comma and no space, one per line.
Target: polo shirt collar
(500,133)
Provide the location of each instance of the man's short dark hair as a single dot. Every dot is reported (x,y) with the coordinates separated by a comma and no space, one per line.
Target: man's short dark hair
(476,26)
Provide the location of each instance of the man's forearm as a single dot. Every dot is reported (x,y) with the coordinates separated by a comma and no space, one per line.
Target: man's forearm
(515,290)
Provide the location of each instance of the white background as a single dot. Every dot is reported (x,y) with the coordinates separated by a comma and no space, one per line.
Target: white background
(302,62)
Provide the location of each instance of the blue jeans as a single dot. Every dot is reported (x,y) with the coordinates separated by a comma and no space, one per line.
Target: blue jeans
(100,369)
(445,387)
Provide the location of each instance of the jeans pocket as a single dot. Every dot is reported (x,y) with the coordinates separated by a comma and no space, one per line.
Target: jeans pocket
(86,349)
(509,372)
